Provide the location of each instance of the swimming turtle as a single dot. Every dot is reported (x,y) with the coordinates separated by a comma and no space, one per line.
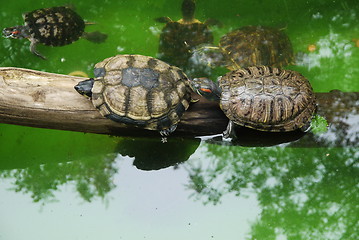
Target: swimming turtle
(179,37)
(139,90)
(55,26)
(262,98)
(249,46)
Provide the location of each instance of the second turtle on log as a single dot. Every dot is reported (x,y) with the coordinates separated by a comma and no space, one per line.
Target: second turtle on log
(262,98)
(56,26)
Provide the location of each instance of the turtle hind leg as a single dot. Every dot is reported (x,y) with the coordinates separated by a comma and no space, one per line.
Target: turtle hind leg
(96,37)
(34,51)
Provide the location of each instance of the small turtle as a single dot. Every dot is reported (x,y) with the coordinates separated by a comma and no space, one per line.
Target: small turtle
(262,98)
(179,37)
(56,26)
(139,90)
(249,46)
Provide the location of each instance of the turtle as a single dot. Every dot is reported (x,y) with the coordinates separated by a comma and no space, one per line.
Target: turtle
(263,98)
(139,90)
(248,46)
(55,26)
(178,38)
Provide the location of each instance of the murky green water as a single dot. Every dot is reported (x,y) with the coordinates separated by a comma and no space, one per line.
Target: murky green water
(67,185)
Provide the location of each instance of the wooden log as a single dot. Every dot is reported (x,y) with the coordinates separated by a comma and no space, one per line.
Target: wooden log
(48,100)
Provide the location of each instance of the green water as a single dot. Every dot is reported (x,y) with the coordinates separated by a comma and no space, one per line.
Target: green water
(67,185)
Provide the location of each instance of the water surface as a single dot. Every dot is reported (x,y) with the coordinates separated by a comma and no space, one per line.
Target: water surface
(67,185)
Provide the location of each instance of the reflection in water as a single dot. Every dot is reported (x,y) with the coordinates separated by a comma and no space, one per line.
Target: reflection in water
(343,116)
(92,177)
(254,138)
(331,63)
(344,130)
(302,196)
(331,46)
(150,154)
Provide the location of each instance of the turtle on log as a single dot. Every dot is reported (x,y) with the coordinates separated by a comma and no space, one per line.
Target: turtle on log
(262,98)
(140,91)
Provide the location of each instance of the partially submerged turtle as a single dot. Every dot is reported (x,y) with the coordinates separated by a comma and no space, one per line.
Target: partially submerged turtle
(139,90)
(249,46)
(262,98)
(56,26)
(178,38)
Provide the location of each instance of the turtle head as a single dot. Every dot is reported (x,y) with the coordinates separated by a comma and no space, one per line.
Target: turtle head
(188,9)
(206,88)
(208,55)
(16,32)
(85,87)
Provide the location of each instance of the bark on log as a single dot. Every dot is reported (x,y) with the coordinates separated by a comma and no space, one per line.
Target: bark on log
(48,100)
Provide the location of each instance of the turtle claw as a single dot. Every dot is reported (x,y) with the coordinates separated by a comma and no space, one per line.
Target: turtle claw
(166,132)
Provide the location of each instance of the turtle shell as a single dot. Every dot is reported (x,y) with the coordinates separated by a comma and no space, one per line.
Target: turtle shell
(178,39)
(256,46)
(267,99)
(141,91)
(56,26)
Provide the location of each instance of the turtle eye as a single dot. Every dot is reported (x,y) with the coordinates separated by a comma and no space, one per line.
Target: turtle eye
(206,90)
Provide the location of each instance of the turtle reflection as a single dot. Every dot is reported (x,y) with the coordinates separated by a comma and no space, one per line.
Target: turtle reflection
(150,154)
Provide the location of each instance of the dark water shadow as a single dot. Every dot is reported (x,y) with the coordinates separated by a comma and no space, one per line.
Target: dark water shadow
(151,154)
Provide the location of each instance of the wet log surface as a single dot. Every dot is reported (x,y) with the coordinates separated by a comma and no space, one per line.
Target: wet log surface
(48,100)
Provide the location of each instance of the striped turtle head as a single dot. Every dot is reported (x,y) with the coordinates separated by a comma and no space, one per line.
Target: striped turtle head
(17,32)
(206,88)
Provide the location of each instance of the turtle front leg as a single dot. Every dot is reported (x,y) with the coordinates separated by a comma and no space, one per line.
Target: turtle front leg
(34,51)
(166,132)
(229,133)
